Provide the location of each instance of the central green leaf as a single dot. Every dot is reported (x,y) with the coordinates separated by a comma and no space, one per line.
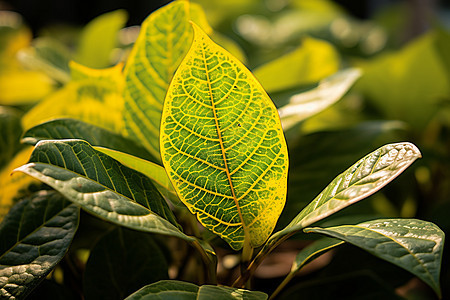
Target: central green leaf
(223,146)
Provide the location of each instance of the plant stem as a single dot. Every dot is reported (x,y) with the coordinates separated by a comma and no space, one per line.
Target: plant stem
(282,285)
(210,266)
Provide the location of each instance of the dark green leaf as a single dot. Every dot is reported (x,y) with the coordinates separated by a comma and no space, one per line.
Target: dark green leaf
(413,245)
(122,262)
(94,135)
(35,236)
(102,186)
(171,289)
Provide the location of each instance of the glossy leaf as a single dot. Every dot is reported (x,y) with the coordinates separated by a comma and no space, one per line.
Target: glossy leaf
(102,186)
(122,262)
(172,289)
(14,186)
(99,38)
(35,236)
(95,97)
(222,145)
(312,61)
(361,180)
(307,104)
(164,40)
(76,129)
(153,171)
(413,245)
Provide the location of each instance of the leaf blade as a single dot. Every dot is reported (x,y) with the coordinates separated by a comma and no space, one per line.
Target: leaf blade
(28,251)
(218,121)
(413,245)
(76,170)
(372,172)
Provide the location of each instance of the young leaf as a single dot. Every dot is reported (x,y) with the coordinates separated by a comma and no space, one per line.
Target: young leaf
(131,260)
(94,135)
(35,236)
(164,40)
(172,289)
(307,104)
(222,145)
(413,245)
(364,178)
(102,186)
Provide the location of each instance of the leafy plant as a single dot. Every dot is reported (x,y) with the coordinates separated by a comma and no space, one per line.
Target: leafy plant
(199,158)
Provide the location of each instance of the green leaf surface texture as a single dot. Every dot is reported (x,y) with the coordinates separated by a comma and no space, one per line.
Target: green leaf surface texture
(172,289)
(411,244)
(94,135)
(122,262)
(164,40)
(102,186)
(35,235)
(365,177)
(222,145)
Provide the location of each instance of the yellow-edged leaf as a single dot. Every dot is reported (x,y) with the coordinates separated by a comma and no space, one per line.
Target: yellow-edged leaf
(223,146)
(164,40)
(95,97)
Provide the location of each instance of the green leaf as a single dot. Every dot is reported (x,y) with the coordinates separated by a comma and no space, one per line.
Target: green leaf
(304,105)
(94,135)
(172,289)
(164,40)
(99,38)
(413,245)
(49,56)
(121,262)
(313,251)
(153,171)
(35,236)
(365,177)
(10,132)
(312,61)
(102,186)
(222,145)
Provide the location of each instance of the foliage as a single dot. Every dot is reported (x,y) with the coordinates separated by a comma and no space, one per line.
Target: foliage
(173,171)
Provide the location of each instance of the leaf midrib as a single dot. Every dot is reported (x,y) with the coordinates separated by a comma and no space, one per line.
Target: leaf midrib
(222,148)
